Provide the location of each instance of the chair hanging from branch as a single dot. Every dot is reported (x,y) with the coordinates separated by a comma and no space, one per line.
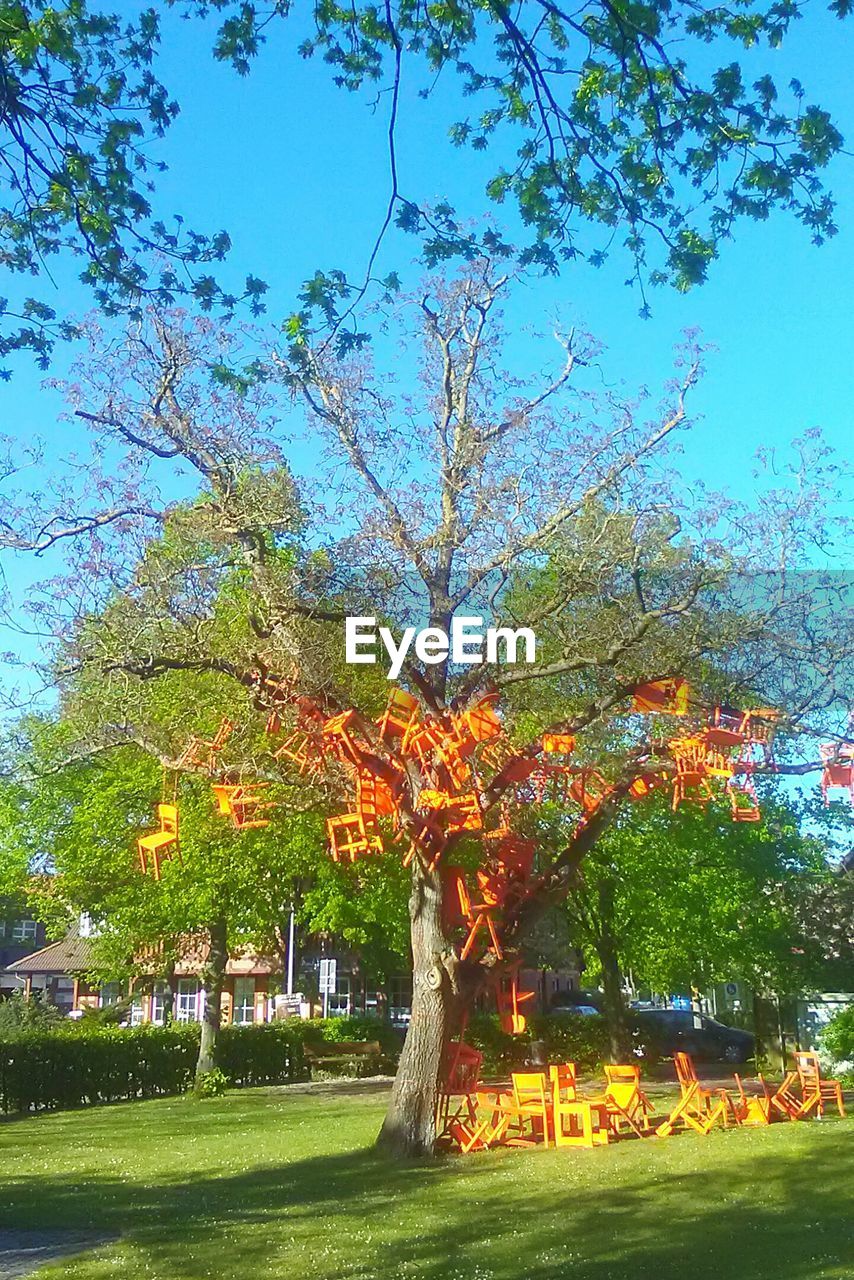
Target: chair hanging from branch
(161,845)
(664,697)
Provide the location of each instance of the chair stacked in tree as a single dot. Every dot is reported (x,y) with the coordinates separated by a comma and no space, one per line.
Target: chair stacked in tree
(626,1104)
(698,1108)
(161,844)
(578,1122)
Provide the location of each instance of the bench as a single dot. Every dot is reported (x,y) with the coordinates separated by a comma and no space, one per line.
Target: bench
(341,1051)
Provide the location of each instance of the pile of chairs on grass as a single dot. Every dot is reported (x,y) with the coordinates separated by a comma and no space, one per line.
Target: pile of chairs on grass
(545,1106)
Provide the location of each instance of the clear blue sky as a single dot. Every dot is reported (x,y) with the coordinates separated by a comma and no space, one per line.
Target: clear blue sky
(296,170)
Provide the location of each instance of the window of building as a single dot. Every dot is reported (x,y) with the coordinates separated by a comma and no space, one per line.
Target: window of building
(63,994)
(110,994)
(136,1011)
(340,1001)
(24,931)
(187,1000)
(400,998)
(244,1001)
(157,1012)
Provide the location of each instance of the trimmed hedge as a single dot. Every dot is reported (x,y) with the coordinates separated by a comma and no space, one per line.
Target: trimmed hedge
(72,1066)
(578,1038)
(269,1053)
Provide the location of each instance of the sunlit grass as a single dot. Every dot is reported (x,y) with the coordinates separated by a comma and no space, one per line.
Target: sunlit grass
(265,1183)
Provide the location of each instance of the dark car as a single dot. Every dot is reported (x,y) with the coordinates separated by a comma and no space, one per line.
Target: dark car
(578,1002)
(681,1031)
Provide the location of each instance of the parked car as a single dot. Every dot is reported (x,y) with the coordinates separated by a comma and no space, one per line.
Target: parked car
(577,1002)
(682,1031)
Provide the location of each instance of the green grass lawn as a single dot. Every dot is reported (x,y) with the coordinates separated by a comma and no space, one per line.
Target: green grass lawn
(265,1183)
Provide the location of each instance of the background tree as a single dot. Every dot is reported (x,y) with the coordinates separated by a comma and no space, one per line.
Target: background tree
(484,494)
(80,105)
(655,126)
(688,899)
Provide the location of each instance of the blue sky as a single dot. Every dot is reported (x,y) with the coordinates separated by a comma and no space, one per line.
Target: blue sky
(296,170)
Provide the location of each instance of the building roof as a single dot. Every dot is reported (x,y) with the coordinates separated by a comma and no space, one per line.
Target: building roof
(72,955)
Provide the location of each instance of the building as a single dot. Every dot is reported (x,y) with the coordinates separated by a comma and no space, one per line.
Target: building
(19,937)
(57,973)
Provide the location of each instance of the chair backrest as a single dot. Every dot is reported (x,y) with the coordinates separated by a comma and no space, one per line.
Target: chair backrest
(618,1074)
(563,1081)
(809,1071)
(461,1067)
(623,1085)
(168,815)
(686,1072)
(529,1087)
(224,795)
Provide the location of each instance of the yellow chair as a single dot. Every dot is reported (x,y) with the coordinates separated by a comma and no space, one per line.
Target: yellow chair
(578,1122)
(627,1105)
(158,842)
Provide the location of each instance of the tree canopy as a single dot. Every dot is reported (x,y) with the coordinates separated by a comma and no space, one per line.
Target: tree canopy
(80,105)
(658,123)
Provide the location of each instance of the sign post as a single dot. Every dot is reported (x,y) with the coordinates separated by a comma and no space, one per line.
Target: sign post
(328,982)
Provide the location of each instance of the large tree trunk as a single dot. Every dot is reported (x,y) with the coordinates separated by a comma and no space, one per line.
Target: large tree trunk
(409,1128)
(612,978)
(213,976)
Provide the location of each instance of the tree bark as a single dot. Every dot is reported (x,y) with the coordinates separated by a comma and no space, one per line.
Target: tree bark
(409,1128)
(612,978)
(213,975)
(169,995)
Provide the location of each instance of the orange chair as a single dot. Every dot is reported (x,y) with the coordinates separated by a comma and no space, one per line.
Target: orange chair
(400,714)
(457,1111)
(698,1108)
(625,1102)
(349,839)
(754,1109)
(476,915)
(532,1109)
(838,769)
(508,997)
(666,697)
(159,842)
(200,752)
(743,800)
(577,1122)
(520,1119)
(243,804)
(812,1081)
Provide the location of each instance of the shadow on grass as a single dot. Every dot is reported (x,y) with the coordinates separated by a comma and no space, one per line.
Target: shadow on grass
(738,1206)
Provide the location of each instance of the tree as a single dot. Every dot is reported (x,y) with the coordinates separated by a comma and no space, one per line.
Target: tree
(687,899)
(81,106)
(518,502)
(80,821)
(638,119)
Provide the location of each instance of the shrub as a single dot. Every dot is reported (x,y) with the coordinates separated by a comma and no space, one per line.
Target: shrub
(19,1012)
(73,1066)
(837,1040)
(210,1084)
(269,1053)
(567,1037)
